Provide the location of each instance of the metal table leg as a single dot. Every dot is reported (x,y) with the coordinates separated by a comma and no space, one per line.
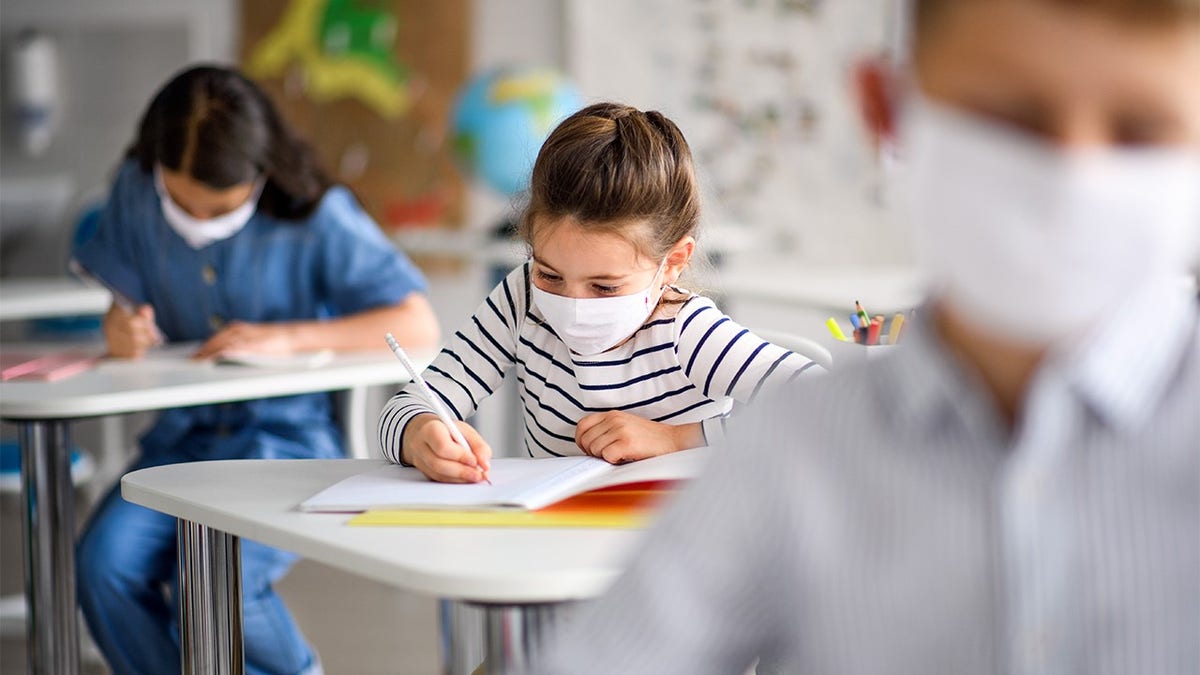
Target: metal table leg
(48,529)
(461,628)
(516,634)
(210,601)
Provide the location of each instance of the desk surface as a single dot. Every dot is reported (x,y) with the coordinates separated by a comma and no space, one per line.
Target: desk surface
(881,289)
(45,297)
(167,379)
(257,499)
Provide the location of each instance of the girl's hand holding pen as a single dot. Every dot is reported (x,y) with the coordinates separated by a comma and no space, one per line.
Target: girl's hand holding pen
(130,334)
(428,445)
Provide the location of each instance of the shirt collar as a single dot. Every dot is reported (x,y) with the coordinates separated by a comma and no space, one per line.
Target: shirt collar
(937,388)
(1123,368)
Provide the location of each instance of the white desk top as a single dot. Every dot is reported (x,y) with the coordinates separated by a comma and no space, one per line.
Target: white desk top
(44,297)
(257,499)
(167,379)
(882,289)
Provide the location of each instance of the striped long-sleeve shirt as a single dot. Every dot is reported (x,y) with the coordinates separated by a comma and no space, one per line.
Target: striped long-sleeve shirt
(688,363)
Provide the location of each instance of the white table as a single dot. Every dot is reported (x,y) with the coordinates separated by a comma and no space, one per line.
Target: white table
(883,289)
(832,290)
(44,411)
(46,297)
(520,576)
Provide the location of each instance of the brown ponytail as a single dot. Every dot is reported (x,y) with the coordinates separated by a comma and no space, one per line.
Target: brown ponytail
(610,167)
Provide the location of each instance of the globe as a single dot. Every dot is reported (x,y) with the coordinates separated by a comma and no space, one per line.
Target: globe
(502,117)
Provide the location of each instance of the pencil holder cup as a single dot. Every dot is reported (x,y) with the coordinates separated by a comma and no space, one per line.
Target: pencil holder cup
(849,353)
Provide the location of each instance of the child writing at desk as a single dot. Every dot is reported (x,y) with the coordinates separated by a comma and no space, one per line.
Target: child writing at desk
(222,229)
(612,359)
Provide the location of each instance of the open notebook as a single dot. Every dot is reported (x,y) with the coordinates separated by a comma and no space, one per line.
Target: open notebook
(516,484)
(626,506)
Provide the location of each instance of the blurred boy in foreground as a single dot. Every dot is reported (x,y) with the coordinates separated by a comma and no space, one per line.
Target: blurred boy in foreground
(1017,489)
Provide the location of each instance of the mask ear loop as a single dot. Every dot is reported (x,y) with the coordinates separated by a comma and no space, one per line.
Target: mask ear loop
(260,184)
(650,307)
(159,186)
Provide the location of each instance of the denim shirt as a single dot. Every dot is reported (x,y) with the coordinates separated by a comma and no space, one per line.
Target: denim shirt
(334,263)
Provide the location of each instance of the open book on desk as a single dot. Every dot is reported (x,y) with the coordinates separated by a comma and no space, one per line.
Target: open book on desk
(516,484)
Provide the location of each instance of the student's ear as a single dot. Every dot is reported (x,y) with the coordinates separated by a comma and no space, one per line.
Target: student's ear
(678,259)
(874,82)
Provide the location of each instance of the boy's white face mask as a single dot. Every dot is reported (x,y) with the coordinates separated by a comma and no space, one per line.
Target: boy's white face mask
(1036,244)
(590,326)
(200,232)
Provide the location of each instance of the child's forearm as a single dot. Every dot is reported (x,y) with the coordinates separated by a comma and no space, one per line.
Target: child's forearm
(412,321)
(689,436)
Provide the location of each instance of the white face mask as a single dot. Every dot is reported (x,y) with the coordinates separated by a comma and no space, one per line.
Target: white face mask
(590,326)
(198,232)
(1035,244)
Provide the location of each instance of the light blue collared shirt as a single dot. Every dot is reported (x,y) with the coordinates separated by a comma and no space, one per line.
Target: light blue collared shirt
(886,520)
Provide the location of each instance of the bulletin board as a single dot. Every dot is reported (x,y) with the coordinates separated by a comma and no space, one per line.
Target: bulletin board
(762,91)
(371,84)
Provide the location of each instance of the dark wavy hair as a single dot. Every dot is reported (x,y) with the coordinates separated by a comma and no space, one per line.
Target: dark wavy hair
(215,125)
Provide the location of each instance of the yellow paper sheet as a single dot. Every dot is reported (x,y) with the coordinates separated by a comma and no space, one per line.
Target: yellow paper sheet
(622,507)
(613,520)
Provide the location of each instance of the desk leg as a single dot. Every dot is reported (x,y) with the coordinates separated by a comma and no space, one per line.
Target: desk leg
(49,531)
(210,601)
(462,637)
(516,634)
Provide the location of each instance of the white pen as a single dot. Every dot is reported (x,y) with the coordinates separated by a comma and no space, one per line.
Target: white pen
(430,397)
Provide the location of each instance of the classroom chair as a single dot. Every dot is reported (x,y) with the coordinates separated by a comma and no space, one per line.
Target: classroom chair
(806,347)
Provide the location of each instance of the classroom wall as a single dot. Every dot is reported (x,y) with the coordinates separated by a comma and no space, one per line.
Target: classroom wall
(112,55)
(762,90)
(507,32)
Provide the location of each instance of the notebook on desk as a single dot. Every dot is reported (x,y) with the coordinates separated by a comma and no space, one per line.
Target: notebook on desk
(628,506)
(517,484)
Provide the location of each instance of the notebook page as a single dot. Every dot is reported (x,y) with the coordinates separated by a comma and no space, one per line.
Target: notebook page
(516,483)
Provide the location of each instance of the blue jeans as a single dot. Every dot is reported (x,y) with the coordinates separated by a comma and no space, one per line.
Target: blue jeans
(128,582)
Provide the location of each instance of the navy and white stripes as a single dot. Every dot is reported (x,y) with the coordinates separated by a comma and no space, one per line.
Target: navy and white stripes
(688,363)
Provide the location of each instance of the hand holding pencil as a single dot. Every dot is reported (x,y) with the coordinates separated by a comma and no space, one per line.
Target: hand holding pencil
(443,448)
